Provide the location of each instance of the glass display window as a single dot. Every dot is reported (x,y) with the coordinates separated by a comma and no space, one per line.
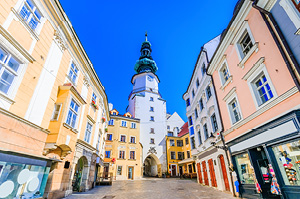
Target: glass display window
(288,160)
(22,180)
(244,169)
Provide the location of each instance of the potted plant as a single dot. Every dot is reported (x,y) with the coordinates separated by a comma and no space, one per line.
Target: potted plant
(106,130)
(103,119)
(93,103)
(168,174)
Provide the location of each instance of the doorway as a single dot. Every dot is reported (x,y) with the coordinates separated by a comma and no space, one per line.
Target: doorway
(199,173)
(212,173)
(224,173)
(180,171)
(205,173)
(173,170)
(105,171)
(130,173)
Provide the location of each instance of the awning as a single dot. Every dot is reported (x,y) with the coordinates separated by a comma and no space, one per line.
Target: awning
(186,161)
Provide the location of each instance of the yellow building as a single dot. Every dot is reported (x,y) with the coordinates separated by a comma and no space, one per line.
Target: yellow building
(123,150)
(179,157)
(51,103)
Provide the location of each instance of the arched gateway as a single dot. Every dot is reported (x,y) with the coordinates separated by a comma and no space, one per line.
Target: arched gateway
(152,166)
(81,174)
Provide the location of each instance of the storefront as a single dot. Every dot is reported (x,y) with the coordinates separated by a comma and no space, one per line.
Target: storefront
(23,176)
(267,159)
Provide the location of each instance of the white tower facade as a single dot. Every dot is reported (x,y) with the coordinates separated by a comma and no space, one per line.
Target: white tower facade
(146,103)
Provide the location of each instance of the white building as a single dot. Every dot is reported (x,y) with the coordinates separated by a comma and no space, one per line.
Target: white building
(205,123)
(147,104)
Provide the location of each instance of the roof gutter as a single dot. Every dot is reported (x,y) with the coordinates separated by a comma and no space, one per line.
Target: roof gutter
(281,43)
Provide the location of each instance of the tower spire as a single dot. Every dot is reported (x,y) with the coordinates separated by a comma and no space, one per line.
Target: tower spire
(146,35)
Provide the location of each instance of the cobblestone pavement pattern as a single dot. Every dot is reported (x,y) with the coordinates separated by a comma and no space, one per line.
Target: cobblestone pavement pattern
(153,188)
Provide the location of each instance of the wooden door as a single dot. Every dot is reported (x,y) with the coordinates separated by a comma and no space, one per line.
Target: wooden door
(205,173)
(212,173)
(224,172)
(173,167)
(105,171)
(199,173)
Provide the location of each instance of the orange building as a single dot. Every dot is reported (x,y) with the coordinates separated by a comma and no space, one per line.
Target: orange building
(53,107)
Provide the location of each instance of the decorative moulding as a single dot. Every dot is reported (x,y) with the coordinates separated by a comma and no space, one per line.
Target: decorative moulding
(229,94)
(251,51)
(220,64)
(253,68)
(59,39)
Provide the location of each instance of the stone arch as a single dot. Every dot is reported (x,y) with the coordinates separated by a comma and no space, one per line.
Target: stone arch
(152,166)
(81,174)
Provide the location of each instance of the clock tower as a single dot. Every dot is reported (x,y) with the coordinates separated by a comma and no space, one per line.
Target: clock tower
(146,103)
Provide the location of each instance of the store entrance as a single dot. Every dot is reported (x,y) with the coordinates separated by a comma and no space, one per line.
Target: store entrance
(261,167)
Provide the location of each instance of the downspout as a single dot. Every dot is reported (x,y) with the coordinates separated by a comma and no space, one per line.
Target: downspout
(221,133)
(281,43)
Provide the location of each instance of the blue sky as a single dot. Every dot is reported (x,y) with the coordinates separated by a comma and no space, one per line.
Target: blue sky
(112,33)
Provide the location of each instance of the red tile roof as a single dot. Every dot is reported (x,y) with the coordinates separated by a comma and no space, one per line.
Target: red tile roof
(184,130)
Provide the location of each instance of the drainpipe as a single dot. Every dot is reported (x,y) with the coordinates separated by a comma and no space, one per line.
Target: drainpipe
(225,148)
(281,43)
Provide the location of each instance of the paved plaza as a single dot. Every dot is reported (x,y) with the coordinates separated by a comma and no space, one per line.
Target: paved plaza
(153,188)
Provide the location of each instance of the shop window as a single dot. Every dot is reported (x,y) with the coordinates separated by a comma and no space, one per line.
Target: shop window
(119,170)
(14,177)
(244,169)
(288,160)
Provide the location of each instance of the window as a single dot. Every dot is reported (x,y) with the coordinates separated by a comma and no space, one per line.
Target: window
(151,99)
(109,137)
(132,139)
(183,155)
(30,14)
(114,113)
(201,104)
(214,122)
(186,141)
(152,130)
(72,114)
(123,138)
(152,118)
(168,127)
(119,170)
(133,125)
(191,130)
(187,101)
(170,133)
(172,142)
(196,113)
(121,154)
(203,69)
(111,122)
(56,111)
(190,121)
(197,83)
(107,154)
(180,156)
(263,90)
(297,4)
(73,73)
(205,131)
(94,98)
(98,141)
(193,93)
(193,143)
(179,143)
(173,155)
(151,109)
(124,123)
(245,43)
(152,141)
(208,92)
(9,68)
(132,155)
(88,132)
(244,168)
(199,136)
(188,154)
(234,111)
(224,73)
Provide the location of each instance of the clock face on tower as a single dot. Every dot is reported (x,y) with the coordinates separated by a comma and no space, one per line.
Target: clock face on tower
(150,79)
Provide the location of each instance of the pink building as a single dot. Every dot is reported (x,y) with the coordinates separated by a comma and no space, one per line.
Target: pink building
(259,97)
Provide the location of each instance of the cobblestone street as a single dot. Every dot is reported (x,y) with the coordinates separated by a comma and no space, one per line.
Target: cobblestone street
(153,188)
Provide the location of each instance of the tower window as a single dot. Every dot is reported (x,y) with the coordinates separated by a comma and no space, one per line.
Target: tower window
(152,118)
(151,109)
(152,130)
(151,99)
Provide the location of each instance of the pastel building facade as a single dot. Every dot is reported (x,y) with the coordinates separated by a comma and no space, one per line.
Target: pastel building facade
(147,104)
(51,104)
(258,96)
(123,150)
(205,123)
